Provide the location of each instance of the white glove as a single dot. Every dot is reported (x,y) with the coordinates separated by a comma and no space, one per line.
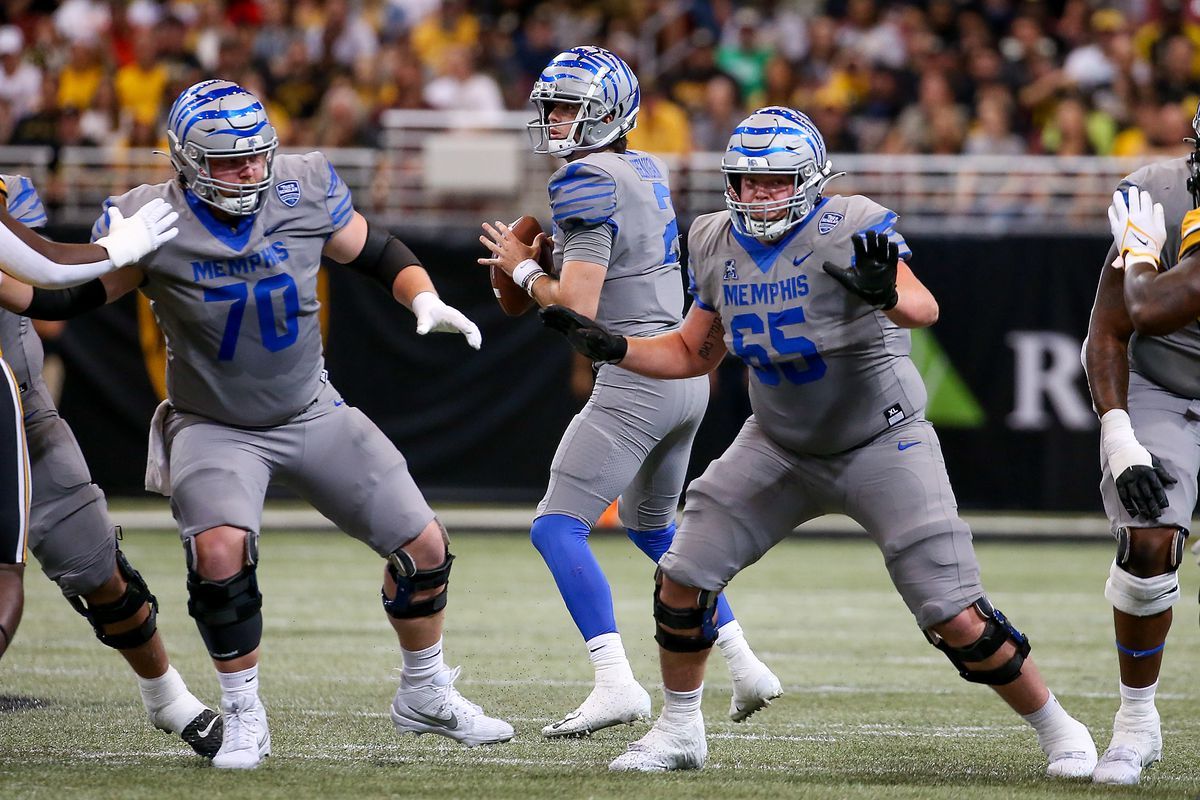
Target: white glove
(435,316)
(130,240)
(1139,229)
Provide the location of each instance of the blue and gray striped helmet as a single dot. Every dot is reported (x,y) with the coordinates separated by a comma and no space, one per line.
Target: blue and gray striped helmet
(775,141)
(603,86)
(219,119)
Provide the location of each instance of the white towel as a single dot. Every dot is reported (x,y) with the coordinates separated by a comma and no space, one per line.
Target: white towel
(158,464)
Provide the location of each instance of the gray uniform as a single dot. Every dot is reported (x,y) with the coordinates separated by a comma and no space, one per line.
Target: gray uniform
(634,436)
(837,422)
(1164,380)
(70,532)
(248,393)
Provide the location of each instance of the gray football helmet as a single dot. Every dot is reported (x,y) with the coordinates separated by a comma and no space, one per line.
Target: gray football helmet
(775,141)
(603,86)
(219,119)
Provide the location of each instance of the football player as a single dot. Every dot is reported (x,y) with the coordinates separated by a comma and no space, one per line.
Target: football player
(249,401)
(37,261)
(1141,354)
(616,244)
(70,532)
(811,292)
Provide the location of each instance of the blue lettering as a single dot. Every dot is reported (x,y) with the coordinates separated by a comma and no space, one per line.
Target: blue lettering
(758,293)
(202,270)
(731,295)
(774,287)
(741,292)
(801,285)
(279,250)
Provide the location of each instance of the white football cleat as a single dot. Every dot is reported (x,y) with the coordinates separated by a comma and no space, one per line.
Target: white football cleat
(1134,746)
(1071,753)
(439,708)
(247,740)
(753,690)
(667,747)
(607,705)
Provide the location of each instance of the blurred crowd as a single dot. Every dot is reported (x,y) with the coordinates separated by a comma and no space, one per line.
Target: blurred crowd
(998,77)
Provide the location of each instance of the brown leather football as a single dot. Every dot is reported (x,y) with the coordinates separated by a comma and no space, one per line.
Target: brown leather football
(512,298)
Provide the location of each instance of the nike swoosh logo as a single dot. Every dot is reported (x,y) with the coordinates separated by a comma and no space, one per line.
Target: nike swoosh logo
(339,402)
(1139,239)
(450,722)
(273,228)
(204,732)
(798,261)
(905,445)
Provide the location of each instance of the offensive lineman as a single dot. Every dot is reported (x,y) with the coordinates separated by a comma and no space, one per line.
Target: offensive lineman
(249,401)
(70,532)
(616,242)
(838,426)
(28,257)
(1141,356)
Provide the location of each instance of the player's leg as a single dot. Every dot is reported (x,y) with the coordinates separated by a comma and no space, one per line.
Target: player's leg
(648,508)
(75,542)
(353,474)
(219,477)
(598,456)
(902,497)
(14,508)
(745,502)
(1142,584)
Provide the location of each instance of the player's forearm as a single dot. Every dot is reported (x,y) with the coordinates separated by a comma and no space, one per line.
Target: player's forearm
(916,309)
(1161,302)
(667,356)
(1106,362)
(410,283)
(578,289)
(58,252)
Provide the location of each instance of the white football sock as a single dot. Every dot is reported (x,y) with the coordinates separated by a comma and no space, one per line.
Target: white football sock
(681,706)
(734,647)
(239,685)
(420,666)
(1049,718)
(607,655)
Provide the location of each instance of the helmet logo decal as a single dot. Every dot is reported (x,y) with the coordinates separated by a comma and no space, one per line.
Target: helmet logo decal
(289,192)
(828,221)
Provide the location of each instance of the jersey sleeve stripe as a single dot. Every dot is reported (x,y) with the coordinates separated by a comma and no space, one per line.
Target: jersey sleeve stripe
(576,200)
(334,181)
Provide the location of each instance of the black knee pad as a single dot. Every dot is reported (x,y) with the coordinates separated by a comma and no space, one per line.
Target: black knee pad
(410,580)
(703,617)
(1148,560)
(137,594)
(228,612)
(997,630)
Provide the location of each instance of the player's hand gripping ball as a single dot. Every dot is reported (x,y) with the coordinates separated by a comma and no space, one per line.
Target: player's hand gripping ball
(514,300)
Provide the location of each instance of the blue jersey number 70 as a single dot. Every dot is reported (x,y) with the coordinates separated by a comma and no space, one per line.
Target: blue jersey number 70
(264,291)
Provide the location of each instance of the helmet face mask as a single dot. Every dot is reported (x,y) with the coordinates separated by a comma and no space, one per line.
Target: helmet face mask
(604,88)
(775,141)
(219,119)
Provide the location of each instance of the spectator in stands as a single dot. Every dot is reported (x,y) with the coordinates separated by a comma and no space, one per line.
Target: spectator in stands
(1066,133)
(20,80)
(452,24)
(744,55)
(1175,81)
(82,19)
(100,121)
(462,87)
(80,77)
(992,131)
(341,120)
(663,127)
(723,111)
(141,85)
(914,128)
(272,38)
(183,68)
(1170,21)
(343,37)
(294,84)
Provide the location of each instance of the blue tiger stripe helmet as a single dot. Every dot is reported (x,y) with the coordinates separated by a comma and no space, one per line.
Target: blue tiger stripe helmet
(219,119)
(604,88)
(775,141)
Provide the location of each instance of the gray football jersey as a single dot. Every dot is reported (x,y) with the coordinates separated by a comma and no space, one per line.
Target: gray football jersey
(630,193)
(1171,361)
(237,303)
(19,342)
(827,371)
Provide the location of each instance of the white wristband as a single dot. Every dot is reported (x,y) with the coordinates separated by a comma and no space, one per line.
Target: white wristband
(1120,447)
(526,273)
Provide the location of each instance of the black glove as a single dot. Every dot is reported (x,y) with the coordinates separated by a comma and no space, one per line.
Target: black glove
(873,276)
(1142,489)
(585,335)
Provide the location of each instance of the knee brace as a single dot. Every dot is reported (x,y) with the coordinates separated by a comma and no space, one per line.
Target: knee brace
(997,630)
(228,612)
(703,617)
(137,594)
(410,580)
(1142,580)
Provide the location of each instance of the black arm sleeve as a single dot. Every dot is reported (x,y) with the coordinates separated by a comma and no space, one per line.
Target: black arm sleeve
(383,256)
(58,304)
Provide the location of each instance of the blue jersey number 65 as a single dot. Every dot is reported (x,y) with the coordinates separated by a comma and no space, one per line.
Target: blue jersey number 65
(759,359)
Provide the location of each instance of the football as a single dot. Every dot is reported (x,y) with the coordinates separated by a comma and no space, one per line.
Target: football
(512,298)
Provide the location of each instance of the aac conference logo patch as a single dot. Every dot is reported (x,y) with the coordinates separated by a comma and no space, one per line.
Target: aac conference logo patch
(829,220)
(289,192)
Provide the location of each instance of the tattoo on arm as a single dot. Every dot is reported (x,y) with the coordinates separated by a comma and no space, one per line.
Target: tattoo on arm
(715,333)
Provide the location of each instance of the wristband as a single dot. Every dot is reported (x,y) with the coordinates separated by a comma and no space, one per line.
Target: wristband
(526,273)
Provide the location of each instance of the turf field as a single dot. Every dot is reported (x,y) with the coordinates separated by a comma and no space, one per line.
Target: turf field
(870,709)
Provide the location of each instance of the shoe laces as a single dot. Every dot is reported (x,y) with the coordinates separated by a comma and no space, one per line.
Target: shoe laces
(239,727)
(1122,754)
(453,698)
